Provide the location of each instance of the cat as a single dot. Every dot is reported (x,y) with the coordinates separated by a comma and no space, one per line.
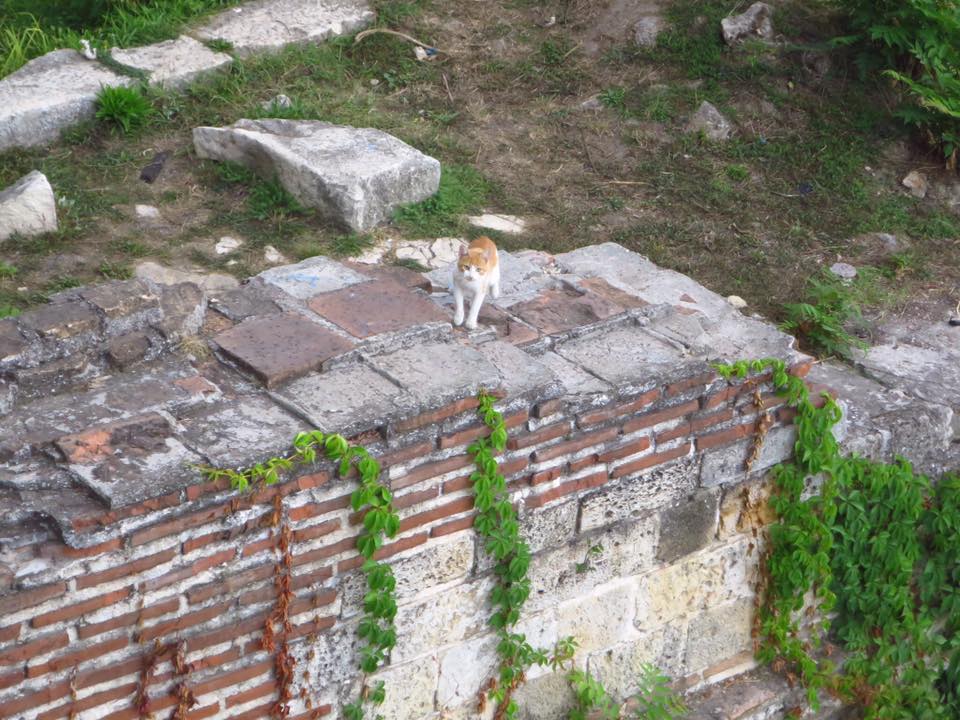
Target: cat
(476,272)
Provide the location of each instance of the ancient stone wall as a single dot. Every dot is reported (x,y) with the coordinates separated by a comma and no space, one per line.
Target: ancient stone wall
(626,461)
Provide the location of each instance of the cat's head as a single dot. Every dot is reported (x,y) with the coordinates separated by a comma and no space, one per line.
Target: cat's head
(474,262)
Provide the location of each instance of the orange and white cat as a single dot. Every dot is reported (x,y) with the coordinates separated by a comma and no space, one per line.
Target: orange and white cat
(476,272)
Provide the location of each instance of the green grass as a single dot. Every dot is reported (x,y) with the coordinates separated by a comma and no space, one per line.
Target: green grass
(7,270)
(125,107)
(462,190)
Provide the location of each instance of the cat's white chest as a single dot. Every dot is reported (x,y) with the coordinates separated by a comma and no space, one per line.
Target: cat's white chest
(470,286)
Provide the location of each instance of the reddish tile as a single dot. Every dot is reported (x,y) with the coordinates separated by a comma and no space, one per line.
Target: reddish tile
(554,311)
(396,273)
(507,327)
(613,294)
(376,307)
(281,347)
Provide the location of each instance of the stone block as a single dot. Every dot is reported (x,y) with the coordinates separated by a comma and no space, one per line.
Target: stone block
(127,350)
(356,177)
(575,380)
(521,373)
(719,633)
(745,508)
(411,689)
(555,311)
(545,698)
(637,495)
(602,618)
(711,122)
(28,207)
(279,348)
(52,377)
(332,658)
(311,277)
(270,25)
(464,669)
(550,527)
(250,300)
(688,525)
(376,307)
(127,305)
(728,464)
(173,63)
(620,667)
(61,321)
(12,343)
(394,273)
(345,399)
(48,95)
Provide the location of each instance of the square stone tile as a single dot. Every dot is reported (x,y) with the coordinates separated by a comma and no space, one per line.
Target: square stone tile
(376,307)
(614,294)
(61,320)
(508,328)
(119,299)
(434,373)
(397,273)
(558,310)
(312,276)
(281,347)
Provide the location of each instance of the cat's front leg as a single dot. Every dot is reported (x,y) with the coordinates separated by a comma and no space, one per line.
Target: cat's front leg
(475,304)
(458,306)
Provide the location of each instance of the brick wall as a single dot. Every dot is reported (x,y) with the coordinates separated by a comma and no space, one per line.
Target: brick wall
(641,517)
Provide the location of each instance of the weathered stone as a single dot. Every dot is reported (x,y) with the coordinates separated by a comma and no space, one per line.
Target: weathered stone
(8,395)
(506,327)
(147,213)
(395,273)
(28,207)
(575,380)
(52,377)
(278,348)
(267,25)
(227,245)
(12,343)
(124,351)
(501,223)
(550,527)
(634,496)
(411,688)
(545,698)
(118,299)
(464,669)
(183,306)
(345,399)
(917,183)
(61,321)
(447,617)
(745,508)
(273,256)
(602,618)
(311,277)
(844,271)
(719,633)
(156,274)
(173,63)
(521,373)
(354,176)
(437,254)
(711,122)
(728,464)
(620,668)
(555,311)
(688,525)
(614,295)
(48,95)
(755,23)
(247,301)
(647,30)
(376,307)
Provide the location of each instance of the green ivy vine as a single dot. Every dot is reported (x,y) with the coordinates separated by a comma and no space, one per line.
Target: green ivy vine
(875,547)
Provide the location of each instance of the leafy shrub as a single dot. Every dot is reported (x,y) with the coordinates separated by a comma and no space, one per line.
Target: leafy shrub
(917,43)
(820,321)
(125,106)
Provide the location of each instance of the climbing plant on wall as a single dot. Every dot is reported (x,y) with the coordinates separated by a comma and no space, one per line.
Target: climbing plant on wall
(864,554)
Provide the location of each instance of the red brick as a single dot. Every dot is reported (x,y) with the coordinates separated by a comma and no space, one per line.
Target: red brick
(232,677)
(660,416)
(404,454)
(311,627)
(59,550)
(178,525)
(184,621)
(230,584)
(547,408)
(11,678)
(231,631)
(11,632)
(719,398)
(575,466)
(322,553)
(91,701)
(81,608)
(207,488)
(317,712)
(320,508)
(128,619)
(431,470)
(442,511)
(512,467)
(47,694)
(452,527)
(384,552)
(544,434)
(75,658)
(212,661)
(23,599)
(315,601)
(802,368)
(724,437)
(702,422)
(683,385)
(576,444)
(126,570)
(257,691)
(465,437)
(648,461)
(435,416)
(267,543)
(624,450)
(196,543)
(768,401)
(315,531)
(133,666)
(665,436)
(595,417)
(299,582)
(786,415)
(313,480)
(594,479)
(169,578)
(207,711)
(545,476)
(258,712)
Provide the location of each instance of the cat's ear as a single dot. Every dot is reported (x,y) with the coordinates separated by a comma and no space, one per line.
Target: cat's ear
(463,250)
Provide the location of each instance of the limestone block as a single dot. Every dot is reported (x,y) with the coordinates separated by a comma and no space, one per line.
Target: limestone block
(448,617)
(620,667)
(411,689)
(546,698)
(464,669)
(269,25)
(521,372)
(635,496)
(719,633)
(575,380)
(727,465)
(354,176)
(173,63)
(49,94)
(602,618)
(745,508)
(688,525)
(550,527)
(310,277)
(755,22)
(28,207)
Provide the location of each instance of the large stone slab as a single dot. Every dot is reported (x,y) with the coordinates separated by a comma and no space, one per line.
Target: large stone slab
(173,63)
(371,308)
(49,94)
(28,207)
(354,176)
(312,276)
(271,24)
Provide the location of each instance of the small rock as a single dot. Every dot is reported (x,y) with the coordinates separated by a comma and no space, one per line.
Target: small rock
(755,22)
(592,103)
(955,322)
(28,207)
(280,102)
(710,122)
(843,270)
(917,183)
(273,256)
(146,212)
(738,302)
(157,274)
(88,52)
(646,31)
(501,223)
(152,171)
(227,245)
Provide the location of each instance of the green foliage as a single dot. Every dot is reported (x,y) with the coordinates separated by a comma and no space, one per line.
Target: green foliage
(7,270)
(820,321)
(737,172)
(655,699)
(127,107)
(8,310)
(26,39)
(614,98)
(268,200)
(462,190)
(917,43)
(592,700)
(875,547)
